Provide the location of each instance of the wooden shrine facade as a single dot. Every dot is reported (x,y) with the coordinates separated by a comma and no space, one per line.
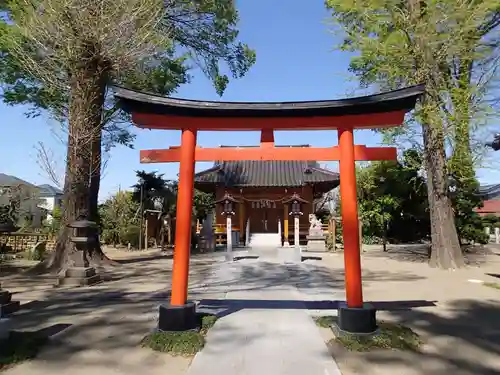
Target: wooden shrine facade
(262,188)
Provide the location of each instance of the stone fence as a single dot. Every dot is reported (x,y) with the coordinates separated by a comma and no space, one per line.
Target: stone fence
(18,242)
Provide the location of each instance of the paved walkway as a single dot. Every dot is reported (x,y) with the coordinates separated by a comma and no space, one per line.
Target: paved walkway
(266,327)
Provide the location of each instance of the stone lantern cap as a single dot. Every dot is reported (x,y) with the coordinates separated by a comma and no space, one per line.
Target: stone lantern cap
(82,224)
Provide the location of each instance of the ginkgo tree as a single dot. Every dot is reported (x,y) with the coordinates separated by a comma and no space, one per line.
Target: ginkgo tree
(452,47)
(63,55)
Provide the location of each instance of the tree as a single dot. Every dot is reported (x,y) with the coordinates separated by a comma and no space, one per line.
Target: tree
(410,42)
(156,192)
(120,222)
(161,194)
(63,55)
(18,204)
(393,200)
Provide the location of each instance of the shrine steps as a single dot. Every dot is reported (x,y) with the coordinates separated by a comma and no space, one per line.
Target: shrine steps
(264,240)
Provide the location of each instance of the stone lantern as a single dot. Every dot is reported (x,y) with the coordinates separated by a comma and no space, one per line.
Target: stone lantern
(295,202)
(84,237)
(227,203)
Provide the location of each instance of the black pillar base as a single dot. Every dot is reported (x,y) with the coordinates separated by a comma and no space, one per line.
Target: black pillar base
(357,321)
(177,318)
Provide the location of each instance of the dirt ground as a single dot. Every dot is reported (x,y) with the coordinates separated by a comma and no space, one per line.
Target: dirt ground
(458,320)
(100,326)
(97,329)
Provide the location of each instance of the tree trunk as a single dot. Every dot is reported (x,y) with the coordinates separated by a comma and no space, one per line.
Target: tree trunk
(445,248)
(96,255)
(87,88)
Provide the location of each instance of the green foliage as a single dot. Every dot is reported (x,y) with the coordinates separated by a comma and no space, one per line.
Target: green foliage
(181,343)
(176,343)
(19,347)
(390,336)
(330,242)
(203,203)
(201,33)
(156,192)
(490,220)
(120,219)
(52,226)
(448,46)
(465,198)
(393,200)
(161,194)
(39,252)
(492,285)
(207,322)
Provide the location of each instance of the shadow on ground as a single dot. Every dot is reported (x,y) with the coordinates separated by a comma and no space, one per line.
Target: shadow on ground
(224,307)
(418,253)
(464,342)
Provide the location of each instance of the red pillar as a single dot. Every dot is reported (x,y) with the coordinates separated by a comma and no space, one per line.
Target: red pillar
(180,273)
(350,221)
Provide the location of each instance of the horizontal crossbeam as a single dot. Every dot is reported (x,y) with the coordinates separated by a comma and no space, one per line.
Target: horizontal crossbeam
(361,153)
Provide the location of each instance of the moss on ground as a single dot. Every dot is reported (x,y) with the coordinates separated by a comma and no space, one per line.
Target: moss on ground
(186,343)
(493,285)
(390,336)
(19,347)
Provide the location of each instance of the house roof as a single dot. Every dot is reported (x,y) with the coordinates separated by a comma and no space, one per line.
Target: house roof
(266,174)
(489,207)
(8,180)
(49,191)
(44,190)
(489,192)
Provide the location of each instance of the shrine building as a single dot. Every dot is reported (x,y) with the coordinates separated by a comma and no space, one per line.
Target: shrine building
(262,190)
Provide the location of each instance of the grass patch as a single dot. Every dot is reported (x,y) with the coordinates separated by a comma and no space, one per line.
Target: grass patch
(390,336)
(325,321)
(20,347)
(493,285)
(181,343)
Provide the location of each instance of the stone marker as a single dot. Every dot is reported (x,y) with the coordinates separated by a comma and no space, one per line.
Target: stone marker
(316,240)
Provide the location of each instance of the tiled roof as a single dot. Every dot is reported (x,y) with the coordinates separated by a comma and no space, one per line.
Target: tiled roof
(8,180)
(266,174)
(488,192)
(49,190)
(489,207)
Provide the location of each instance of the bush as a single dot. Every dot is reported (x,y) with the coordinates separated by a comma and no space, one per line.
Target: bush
(39,251)
(130,234)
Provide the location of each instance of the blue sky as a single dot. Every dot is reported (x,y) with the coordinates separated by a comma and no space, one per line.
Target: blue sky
(296,60)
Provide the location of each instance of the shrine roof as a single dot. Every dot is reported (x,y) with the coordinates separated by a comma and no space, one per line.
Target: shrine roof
(140,102)
(267,174)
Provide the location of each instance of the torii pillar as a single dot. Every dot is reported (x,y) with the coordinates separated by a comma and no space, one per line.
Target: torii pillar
(375,111)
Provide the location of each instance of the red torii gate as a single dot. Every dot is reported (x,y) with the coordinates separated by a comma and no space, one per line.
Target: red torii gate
(190,116)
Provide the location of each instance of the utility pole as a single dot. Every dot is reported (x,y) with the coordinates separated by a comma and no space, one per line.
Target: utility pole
(141,210)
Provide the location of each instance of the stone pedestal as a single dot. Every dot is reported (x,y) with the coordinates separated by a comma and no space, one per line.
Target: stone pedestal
(290,254)
(174,318)
(361,321)
(316,243)
(79,276)
(7,306)
(4,327)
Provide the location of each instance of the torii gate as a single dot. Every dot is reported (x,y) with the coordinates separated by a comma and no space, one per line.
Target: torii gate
(190,116)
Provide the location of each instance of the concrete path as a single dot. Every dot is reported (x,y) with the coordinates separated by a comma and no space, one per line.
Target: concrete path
(266,328)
